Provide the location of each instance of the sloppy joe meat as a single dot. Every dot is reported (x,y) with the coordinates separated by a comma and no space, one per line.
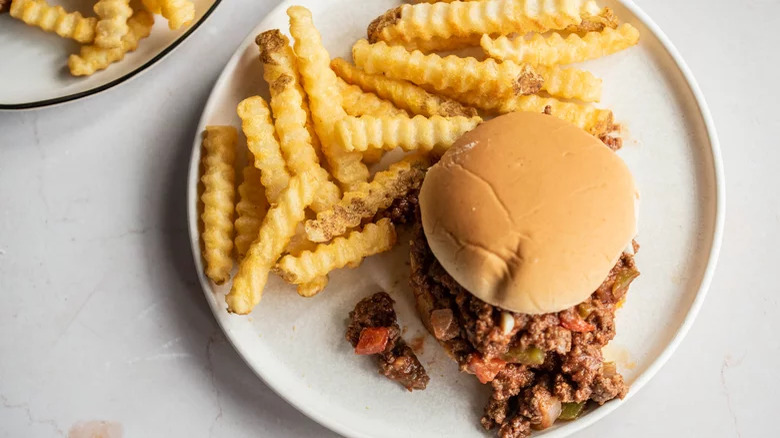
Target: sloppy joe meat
(396,360)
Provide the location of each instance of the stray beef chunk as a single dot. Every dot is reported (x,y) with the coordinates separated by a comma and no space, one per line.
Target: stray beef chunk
(373,329)
(5,5)
(400,364)
(524,397)
(374,311)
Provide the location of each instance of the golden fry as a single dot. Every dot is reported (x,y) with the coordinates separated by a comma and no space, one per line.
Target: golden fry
(55,19)
(442,20)
(261,139)
(278,227)
(299,242)
(555,49)
(178,12)
(597,121)
(291,112)
(310,266)
(594,19)
(152,6)
(402,93)
(357,102)
(571,83)
(219,155)
(460,75)
(319,81)
(313,287)
(373,155)
(417,133)
(250,209)
(386,187)
(92,58)
(439,44)
(112,25)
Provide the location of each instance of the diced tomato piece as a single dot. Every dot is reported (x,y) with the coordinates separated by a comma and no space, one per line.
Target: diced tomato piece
(485,370)
(372,340)
(572,321)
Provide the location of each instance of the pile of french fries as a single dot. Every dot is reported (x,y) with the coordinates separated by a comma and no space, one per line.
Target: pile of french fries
(116,29)
(306,203)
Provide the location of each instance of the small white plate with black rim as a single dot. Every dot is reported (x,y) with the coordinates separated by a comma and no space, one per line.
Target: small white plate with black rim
(34,71)
(297,345)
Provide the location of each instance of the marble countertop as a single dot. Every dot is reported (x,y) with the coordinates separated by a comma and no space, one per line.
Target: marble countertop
(102,317)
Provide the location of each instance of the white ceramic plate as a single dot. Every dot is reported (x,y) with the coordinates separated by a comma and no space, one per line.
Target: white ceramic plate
(297,345)
(34,68)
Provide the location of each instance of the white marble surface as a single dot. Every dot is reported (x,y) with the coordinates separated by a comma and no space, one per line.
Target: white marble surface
(102,319)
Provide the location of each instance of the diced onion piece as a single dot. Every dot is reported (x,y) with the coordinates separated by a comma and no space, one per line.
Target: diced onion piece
(550,410)
(507,322)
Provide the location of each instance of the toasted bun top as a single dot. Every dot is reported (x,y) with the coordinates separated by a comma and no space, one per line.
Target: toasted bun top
(528,212)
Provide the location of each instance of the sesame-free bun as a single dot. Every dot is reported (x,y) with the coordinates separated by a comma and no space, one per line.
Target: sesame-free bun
(529,213)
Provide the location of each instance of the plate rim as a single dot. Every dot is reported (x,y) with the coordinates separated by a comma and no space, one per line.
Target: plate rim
(46,103)
(716,239)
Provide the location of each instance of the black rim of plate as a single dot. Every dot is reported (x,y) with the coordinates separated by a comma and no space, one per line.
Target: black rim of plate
(117,81)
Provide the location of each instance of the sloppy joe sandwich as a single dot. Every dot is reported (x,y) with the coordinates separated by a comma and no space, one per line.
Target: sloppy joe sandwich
(519,263)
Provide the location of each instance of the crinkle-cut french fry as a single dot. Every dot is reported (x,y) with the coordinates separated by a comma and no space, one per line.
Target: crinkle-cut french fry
(112,25)
(315,139)
(262,142)
(291,114)
(250,209)
(299,242)
(402,93)
(596,121)
(571,83)
(357,102)
(440,44)
(373,155)
(309,266)
(387,186)
(555,49)
(178,12)
(152,6)
(320,84)
(55,19)
(487,78)
(313,287)
(91,58)
(219,155)
(410,134)
(595,19)
(426,21)
(278,227)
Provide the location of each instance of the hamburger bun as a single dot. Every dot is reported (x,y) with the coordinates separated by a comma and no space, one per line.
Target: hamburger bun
(529,213)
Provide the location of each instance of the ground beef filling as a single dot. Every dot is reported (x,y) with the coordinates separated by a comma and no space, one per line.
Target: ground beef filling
(396,359)
(559,358)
